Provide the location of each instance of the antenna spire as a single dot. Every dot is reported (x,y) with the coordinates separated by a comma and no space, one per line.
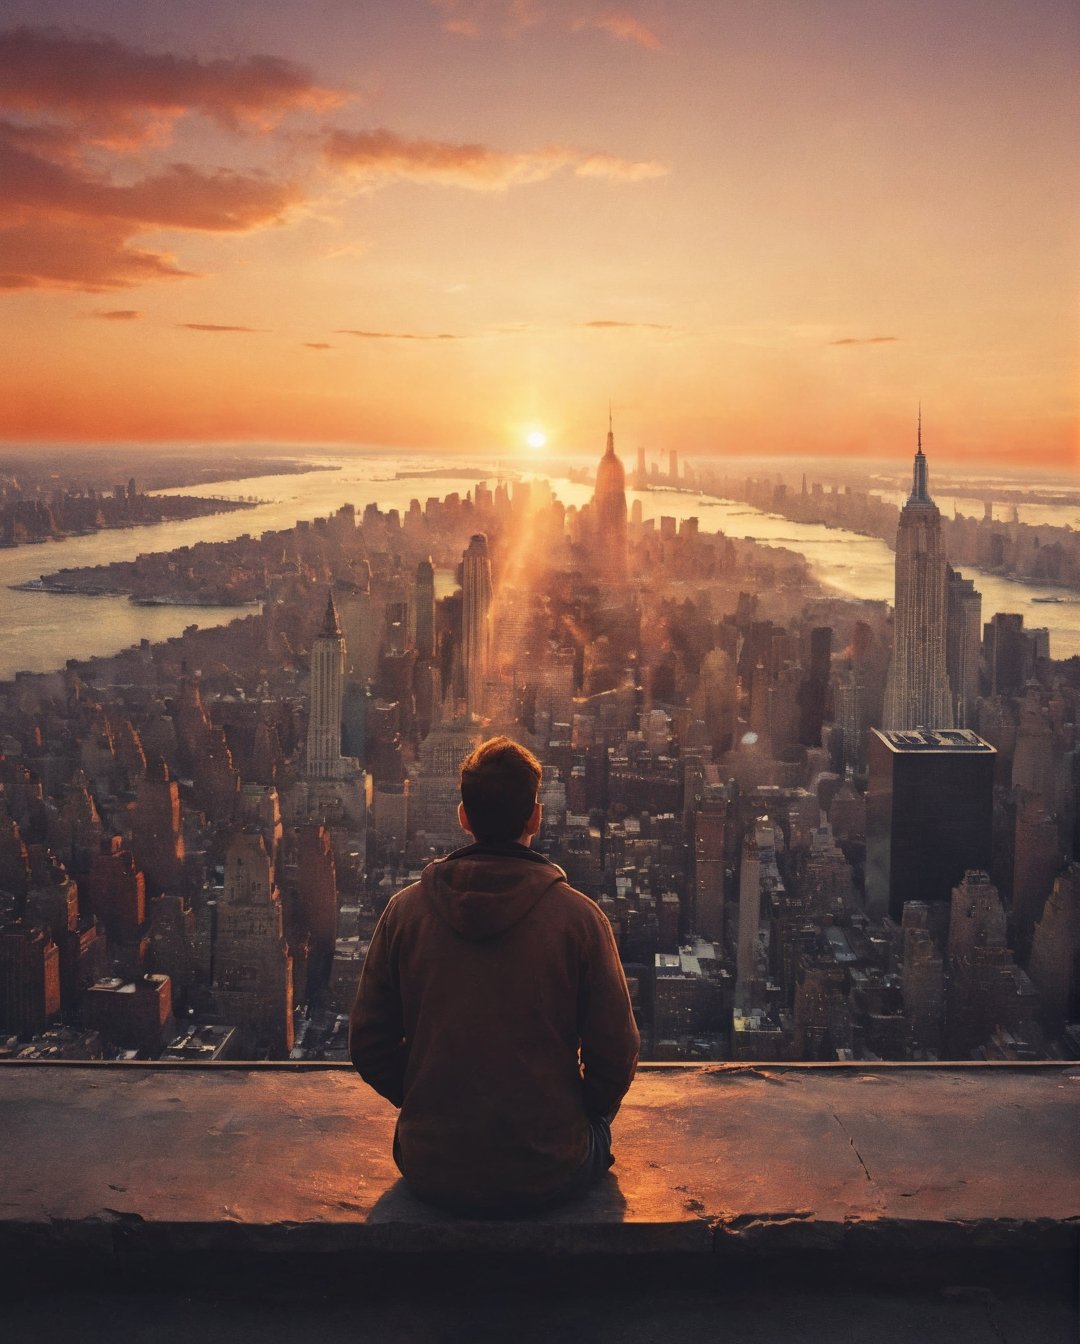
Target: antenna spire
(920,493)
(331,627)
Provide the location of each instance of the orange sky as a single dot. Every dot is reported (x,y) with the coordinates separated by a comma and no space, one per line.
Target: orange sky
(441,223)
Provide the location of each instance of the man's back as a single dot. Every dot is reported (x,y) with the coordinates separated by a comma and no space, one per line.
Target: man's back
(481,981)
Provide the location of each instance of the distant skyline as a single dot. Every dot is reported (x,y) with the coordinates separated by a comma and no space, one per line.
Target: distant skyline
(448,224)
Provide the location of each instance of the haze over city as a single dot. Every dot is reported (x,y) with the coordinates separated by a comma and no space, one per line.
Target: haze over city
(455,224)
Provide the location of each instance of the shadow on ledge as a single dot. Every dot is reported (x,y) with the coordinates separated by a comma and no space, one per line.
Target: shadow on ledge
(736,1175)
(603,1204)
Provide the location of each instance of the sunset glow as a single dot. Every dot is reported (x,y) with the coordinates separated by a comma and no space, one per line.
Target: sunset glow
(767,228)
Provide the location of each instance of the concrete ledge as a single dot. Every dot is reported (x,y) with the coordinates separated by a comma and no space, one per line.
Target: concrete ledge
(723,1165)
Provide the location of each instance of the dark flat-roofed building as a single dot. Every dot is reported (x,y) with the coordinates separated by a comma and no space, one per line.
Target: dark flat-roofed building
(929,814)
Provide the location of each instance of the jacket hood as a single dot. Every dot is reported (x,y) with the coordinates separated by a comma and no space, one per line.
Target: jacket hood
(485,889)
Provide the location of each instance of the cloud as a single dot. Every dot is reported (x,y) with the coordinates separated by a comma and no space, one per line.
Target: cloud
(118,314)
(47,139)
(613,169)
(399,335)
(65,221)
(124,94)
(94,257)
(180,196)
(865,340)
(215,326)
(379,156)
(474,18)
(354,249)
(72,211)
(607,323)
(317,345)
(623,26)
(63,226)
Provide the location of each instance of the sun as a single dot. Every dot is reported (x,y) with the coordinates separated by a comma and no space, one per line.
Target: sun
(536,438)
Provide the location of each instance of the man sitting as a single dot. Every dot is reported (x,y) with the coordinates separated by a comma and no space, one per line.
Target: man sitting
(493,1010)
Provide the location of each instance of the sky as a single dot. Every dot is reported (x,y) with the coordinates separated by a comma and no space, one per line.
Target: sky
(753,228)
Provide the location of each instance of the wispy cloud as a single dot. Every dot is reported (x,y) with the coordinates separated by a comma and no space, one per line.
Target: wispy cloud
(51,141)
(66,222)
(179,197)
(476,18)
(353,249)
(317,345)
(399,335)
(473,18)
(613,169)
(64,226)
(622,25)
(94,256)
(123,93)
(217,326)
(380,156)
(865,340)
(117,314)
(72,106)
(607,323)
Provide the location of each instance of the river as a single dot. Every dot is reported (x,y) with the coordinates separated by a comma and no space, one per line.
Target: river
(41,631)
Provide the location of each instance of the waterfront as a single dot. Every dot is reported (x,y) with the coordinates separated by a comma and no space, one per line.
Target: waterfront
(43,630)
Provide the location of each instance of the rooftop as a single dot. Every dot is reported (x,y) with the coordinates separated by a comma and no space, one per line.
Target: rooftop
(933,739)
(806,1201)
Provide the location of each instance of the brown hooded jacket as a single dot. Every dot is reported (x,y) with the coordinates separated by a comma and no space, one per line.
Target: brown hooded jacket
(493,1009)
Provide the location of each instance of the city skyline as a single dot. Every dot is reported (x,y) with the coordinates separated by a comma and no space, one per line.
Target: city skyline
(755,779)
(445,225)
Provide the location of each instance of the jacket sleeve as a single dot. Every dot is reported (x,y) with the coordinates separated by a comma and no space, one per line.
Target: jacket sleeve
(376,1030)
(609,1034)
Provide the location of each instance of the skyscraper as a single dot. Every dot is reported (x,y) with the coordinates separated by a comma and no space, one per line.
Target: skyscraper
(1008,654)
(425,609)
(929,815)
(813,692)
(316,886)
(251,971)
(758,854)
(917,691)
(332,787)
(749,915)
(963,632)
(476,593)
(641,474)
(609,505)
(981,984)
(324,759)
(29,978)
(157,837)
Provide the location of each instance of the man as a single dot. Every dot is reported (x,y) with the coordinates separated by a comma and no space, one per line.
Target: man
(493,1010)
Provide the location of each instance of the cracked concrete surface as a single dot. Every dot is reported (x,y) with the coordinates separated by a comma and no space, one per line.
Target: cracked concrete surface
(708,1160)
(855,1150)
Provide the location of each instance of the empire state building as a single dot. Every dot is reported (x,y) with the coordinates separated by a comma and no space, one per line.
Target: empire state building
(609,504)
(917,691)
(324,759)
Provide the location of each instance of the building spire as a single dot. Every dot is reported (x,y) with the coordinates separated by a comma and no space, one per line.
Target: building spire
(331,628)
(920,491)
(610,448)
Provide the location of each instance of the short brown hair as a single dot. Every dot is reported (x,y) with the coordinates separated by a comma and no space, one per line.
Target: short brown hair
(499,784)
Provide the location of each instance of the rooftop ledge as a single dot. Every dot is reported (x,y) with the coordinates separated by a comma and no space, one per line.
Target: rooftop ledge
(133,1161)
